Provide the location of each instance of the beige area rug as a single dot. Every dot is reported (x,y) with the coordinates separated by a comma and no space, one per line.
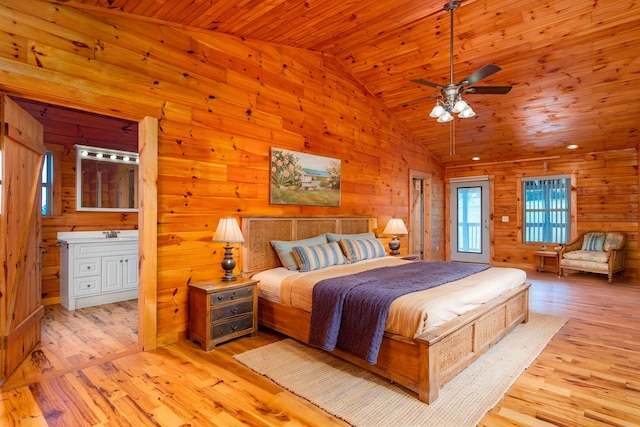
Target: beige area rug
(365,399)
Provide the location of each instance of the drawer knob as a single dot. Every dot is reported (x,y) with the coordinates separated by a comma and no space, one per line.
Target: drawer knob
(234,328)
(219,297)
(235,310)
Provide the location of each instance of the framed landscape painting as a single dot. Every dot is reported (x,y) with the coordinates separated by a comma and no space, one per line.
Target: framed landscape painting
(304,179)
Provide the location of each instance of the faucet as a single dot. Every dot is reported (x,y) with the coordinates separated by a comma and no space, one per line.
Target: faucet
(111,234)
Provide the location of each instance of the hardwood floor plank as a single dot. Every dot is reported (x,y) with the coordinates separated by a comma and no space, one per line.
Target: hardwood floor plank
(21,408)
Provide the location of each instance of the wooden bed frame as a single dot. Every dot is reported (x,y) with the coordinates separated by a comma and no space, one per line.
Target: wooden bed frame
(423,364)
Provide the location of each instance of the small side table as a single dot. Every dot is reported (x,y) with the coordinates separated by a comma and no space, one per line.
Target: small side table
(407,256)
(541,256)
(220,311)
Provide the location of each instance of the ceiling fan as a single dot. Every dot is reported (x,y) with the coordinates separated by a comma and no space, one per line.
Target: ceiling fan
(451,96)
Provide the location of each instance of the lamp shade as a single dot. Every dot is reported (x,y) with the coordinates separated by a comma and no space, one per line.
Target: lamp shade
(445,117)
(459,106)
(395,227)
(437,111)
(466,113)
(228,231)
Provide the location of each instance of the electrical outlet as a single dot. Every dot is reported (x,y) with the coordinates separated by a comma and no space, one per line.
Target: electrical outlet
(505,218)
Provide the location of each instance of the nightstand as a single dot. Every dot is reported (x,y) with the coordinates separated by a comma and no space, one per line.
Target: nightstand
(407,256)
(220,311)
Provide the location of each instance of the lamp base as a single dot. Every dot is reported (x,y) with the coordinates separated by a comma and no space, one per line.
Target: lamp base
(228,264)
(394,245)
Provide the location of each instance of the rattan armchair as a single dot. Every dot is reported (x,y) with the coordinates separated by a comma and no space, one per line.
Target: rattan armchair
(603,252)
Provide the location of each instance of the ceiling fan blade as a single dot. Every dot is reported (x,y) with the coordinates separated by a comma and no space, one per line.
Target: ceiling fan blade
(427,83)
(480,74)
(413,101)
(488,90)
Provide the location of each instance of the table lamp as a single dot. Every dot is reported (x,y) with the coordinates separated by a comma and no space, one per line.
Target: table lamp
(395,227)
(228,232)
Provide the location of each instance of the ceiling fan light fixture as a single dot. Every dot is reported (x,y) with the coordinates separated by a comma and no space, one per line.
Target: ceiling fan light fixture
(467,113)
(437,111)
(450,96)
(459,106)
(445,117)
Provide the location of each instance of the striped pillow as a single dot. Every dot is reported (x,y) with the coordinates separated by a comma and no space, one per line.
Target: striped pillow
(358,250)
(593,242)
(311,258)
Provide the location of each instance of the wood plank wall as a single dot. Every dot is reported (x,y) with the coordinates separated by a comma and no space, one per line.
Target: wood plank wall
(223,103)
(607,199)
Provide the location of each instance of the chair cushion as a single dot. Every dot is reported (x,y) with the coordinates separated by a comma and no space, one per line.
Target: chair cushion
(593,256)
(593,242)
(613,241)
(574,264)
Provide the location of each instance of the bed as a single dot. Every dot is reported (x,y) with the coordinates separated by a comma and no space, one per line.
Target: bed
(421,363)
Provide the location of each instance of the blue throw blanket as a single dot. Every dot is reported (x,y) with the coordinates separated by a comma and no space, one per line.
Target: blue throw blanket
(350,312)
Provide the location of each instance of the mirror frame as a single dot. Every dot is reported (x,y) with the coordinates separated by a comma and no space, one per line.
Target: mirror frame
(91,156)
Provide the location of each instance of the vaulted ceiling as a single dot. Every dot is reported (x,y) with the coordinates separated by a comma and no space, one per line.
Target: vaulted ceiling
(574,64)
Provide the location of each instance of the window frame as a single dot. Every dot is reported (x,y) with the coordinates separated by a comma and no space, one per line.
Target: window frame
(47,186)
(570,210)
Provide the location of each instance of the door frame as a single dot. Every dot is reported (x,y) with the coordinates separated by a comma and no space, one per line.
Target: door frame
(452,183)
(147,215)
(424,216)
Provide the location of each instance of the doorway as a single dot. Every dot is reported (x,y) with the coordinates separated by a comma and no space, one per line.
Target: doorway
(141,134)
(469,219)
(419,214)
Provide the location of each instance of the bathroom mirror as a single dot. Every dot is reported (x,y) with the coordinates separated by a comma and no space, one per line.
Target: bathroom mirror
(106,180)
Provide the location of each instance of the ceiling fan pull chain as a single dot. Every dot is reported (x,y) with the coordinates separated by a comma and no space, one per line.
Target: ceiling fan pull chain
(452,138)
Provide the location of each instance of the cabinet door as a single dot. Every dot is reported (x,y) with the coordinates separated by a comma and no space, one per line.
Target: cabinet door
(112,267)
(130,271)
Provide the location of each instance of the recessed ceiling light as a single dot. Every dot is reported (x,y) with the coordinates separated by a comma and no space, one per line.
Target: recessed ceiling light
(572,147)
(475,159)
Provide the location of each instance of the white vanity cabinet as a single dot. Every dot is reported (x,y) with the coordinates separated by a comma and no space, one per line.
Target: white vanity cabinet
(97,270)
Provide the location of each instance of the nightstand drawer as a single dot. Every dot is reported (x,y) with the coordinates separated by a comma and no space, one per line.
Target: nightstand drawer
(232,295)
(233,326)
(218,313)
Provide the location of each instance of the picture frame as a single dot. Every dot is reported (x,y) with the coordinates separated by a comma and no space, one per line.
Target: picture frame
(303,179)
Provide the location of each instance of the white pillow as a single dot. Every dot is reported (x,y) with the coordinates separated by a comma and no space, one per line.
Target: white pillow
(333,237)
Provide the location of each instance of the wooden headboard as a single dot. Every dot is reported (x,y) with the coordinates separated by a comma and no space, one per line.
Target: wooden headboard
(257,252)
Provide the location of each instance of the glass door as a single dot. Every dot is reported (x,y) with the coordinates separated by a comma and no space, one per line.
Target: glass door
(470,221)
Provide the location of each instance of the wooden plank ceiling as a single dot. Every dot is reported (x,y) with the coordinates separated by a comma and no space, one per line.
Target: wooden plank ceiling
(574,65)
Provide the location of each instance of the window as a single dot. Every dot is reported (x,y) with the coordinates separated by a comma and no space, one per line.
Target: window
(546,209)
(47,184)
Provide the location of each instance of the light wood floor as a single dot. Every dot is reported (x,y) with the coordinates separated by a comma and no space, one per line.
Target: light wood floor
(82,375)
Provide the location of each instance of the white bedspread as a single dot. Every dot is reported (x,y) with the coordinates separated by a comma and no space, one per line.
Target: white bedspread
(409,315)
